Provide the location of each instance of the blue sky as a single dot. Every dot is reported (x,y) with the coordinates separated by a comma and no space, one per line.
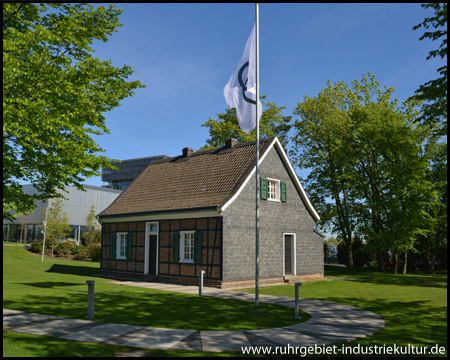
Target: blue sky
(185,54)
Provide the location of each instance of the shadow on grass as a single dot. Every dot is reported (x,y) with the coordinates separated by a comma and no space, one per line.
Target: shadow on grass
(73,270)
(373,277)
(51,284)
(159,309)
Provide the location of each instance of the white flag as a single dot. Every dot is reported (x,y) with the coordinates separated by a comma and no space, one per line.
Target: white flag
(240,91)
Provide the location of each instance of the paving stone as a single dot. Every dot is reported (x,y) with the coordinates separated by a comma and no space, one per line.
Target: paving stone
(159,338)
(365,322)
(101,333)
(7,312)
(287,337)
(330,330)
(259,341)
(127,337)
(50,326)
(223,340)
(25,318)
(192,342)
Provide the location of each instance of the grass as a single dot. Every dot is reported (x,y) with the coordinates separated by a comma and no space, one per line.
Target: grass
(414,306)
(58,287)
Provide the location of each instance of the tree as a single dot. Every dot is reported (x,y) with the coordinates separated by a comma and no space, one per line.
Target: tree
(94,235)
(91,221)
(54,94)
(272,123)
(57,224)
(434,92)
(367,173)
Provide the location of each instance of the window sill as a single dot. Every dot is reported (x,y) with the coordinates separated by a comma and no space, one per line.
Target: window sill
(186,261)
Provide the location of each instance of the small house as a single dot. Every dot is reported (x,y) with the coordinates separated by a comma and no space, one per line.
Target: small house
(196,212)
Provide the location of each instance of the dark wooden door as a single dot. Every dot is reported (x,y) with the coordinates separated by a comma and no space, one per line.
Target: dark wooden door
(152,255)
(288,254)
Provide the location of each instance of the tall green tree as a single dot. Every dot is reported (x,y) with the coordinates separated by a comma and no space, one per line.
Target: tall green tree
(54,95)
(434,92)
(366,167)
(226,126)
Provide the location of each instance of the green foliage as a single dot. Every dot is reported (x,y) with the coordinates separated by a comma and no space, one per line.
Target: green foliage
(94,252)
(365,154)
(80,252)
(36,246)
(434,92)
(362,255)
(91,221)
(54,96)
(92,237)
(66,248)
(57,222)
(272,123)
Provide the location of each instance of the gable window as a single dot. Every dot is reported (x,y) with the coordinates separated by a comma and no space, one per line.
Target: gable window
(187,246)
(274,190)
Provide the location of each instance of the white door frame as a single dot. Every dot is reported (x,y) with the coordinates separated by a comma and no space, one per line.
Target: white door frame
(293,254)
(147,245)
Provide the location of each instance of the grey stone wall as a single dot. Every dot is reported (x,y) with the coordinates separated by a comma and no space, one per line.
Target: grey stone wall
(276,218)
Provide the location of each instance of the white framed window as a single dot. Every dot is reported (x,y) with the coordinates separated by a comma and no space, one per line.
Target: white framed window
(121,245)
(187,246)
(273,186)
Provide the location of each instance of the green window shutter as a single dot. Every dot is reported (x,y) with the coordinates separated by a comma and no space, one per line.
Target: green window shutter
(264,188)
(283,192)
(198,247)
(114,245)
(129,249)
(176,247)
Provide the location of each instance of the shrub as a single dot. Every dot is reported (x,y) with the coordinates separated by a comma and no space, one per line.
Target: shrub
(80,252)
(36,246)
(94,252)
(66,248)
(92,237)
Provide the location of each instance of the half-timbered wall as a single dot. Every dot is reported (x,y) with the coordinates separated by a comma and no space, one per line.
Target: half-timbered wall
(211,249)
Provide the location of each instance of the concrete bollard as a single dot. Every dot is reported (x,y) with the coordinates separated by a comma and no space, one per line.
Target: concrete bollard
(200,283)
(91,296)
(297,285)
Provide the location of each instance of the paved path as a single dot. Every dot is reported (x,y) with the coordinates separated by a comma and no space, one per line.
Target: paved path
(329,323)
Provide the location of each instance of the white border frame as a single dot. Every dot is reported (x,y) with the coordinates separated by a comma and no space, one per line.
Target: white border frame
(147,246)
(293,254)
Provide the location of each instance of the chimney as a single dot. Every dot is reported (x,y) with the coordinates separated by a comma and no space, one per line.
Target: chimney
(187,151)
(229,143)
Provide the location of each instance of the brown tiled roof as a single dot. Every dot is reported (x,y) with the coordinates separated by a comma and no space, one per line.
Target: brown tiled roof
(205,179)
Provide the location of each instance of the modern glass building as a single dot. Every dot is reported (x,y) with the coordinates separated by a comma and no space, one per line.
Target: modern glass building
(77,206)
(128,171)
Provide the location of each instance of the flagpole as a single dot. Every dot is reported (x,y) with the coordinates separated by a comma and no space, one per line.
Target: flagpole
(257,166)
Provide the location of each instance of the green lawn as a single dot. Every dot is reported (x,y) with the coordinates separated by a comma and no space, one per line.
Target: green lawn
(58,287)
(414,306)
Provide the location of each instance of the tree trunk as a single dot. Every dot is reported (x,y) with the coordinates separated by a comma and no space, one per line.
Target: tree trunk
(431,261)
(349,255)
(405,262)
(380,260)
(395,263)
